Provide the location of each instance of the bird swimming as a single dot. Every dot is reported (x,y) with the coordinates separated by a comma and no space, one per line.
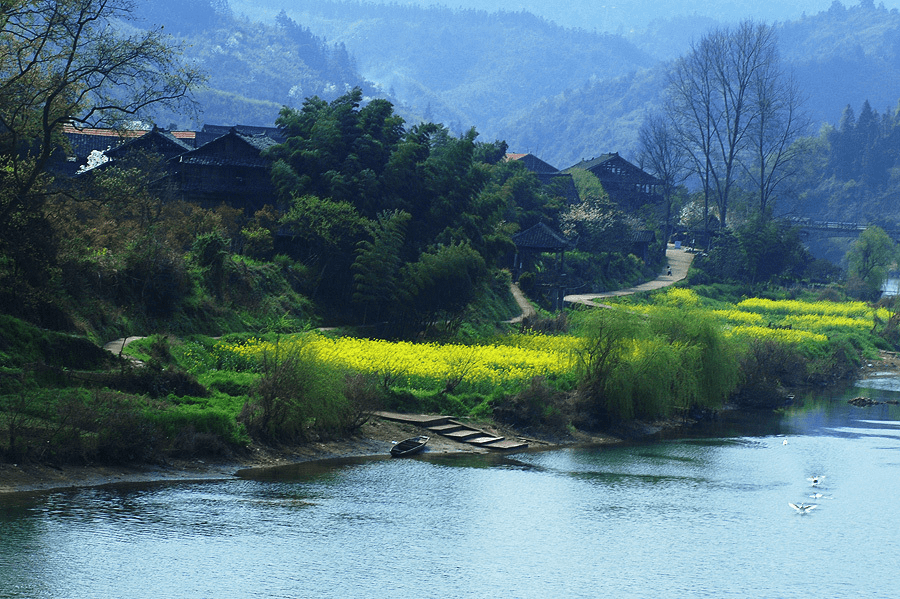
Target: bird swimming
(815,480)
(803,508)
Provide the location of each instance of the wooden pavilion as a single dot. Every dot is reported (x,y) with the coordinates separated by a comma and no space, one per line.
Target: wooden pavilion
(541,239)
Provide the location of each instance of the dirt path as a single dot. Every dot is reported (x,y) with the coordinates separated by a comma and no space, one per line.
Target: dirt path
(118,346)
(679,262)
(528,310)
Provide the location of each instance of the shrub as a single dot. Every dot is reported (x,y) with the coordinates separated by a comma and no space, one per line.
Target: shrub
(537,406)
(767,367)
(295,398)
(156,381)
(235,384)
(125,434)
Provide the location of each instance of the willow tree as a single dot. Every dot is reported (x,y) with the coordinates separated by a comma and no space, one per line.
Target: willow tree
(72,62)
(869,260)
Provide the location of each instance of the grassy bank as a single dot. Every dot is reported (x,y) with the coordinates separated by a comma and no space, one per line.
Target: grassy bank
(673,353)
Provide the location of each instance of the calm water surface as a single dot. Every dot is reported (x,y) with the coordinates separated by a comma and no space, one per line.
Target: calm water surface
(700,517)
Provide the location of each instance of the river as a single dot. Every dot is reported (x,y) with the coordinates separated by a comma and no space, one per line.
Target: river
(705,516)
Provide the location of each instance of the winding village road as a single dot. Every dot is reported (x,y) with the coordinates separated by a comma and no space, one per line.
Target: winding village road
(679,261)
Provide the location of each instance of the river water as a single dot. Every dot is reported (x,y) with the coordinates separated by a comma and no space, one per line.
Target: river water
(705,516)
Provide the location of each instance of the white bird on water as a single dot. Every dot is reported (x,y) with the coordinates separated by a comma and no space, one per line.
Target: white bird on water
(803,508)
(815,480)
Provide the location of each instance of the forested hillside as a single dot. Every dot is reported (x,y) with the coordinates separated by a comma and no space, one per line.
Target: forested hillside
(254,68)
(851,171)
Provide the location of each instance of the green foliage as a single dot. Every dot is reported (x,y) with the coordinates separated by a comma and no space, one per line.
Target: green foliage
(296,398)
(633,367)
(759,251)
(229,382)
(873,253)
(372,199)
(534,407)
(377,265)
(22,343)
(431,402)
(211,252)
(442,283)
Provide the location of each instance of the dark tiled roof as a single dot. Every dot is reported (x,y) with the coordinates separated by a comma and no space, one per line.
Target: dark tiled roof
(643,237)
(533,163)
(156,140)
(213,132)
(541,237)
(612,167)
(588,164)
(83,141)
(232,149)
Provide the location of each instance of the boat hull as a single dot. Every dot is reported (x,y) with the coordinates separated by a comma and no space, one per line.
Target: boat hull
(409,447)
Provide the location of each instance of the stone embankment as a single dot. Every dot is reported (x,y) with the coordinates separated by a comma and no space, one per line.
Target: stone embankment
(457,431)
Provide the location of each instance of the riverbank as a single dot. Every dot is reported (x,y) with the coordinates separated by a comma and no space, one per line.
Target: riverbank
(375,438)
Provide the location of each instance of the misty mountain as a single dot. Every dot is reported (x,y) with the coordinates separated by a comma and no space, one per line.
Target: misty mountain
(255,68)
(564,94)
(622,17)
(467,67)
(843,56)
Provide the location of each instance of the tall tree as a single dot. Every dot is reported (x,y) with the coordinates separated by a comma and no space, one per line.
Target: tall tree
(778,121)
(378,263)
(663,155)
(711,101)
(691,107)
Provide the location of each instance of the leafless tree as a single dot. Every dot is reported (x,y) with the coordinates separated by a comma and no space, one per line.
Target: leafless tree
(665,158)
(728,99)
(779,121)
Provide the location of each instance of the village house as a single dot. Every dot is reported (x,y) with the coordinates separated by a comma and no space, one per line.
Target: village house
(230,169)
(552,178)
(627,185)
(209,167)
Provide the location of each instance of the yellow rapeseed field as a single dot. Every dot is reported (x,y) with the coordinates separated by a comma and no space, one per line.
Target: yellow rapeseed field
(517,359)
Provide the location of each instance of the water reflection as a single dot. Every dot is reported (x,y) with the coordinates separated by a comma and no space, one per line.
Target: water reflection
(706,516)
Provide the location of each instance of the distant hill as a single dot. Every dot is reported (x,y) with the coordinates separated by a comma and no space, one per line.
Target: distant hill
(468,67)
(841,56)
(254,67)
(563,94)
(624,17)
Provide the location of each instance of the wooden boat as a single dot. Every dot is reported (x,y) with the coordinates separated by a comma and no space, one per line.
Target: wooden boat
(409,446)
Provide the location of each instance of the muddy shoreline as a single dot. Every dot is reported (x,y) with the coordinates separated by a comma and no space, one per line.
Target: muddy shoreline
(374,439)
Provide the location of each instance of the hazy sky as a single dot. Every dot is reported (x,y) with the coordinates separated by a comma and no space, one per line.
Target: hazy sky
(621,16)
